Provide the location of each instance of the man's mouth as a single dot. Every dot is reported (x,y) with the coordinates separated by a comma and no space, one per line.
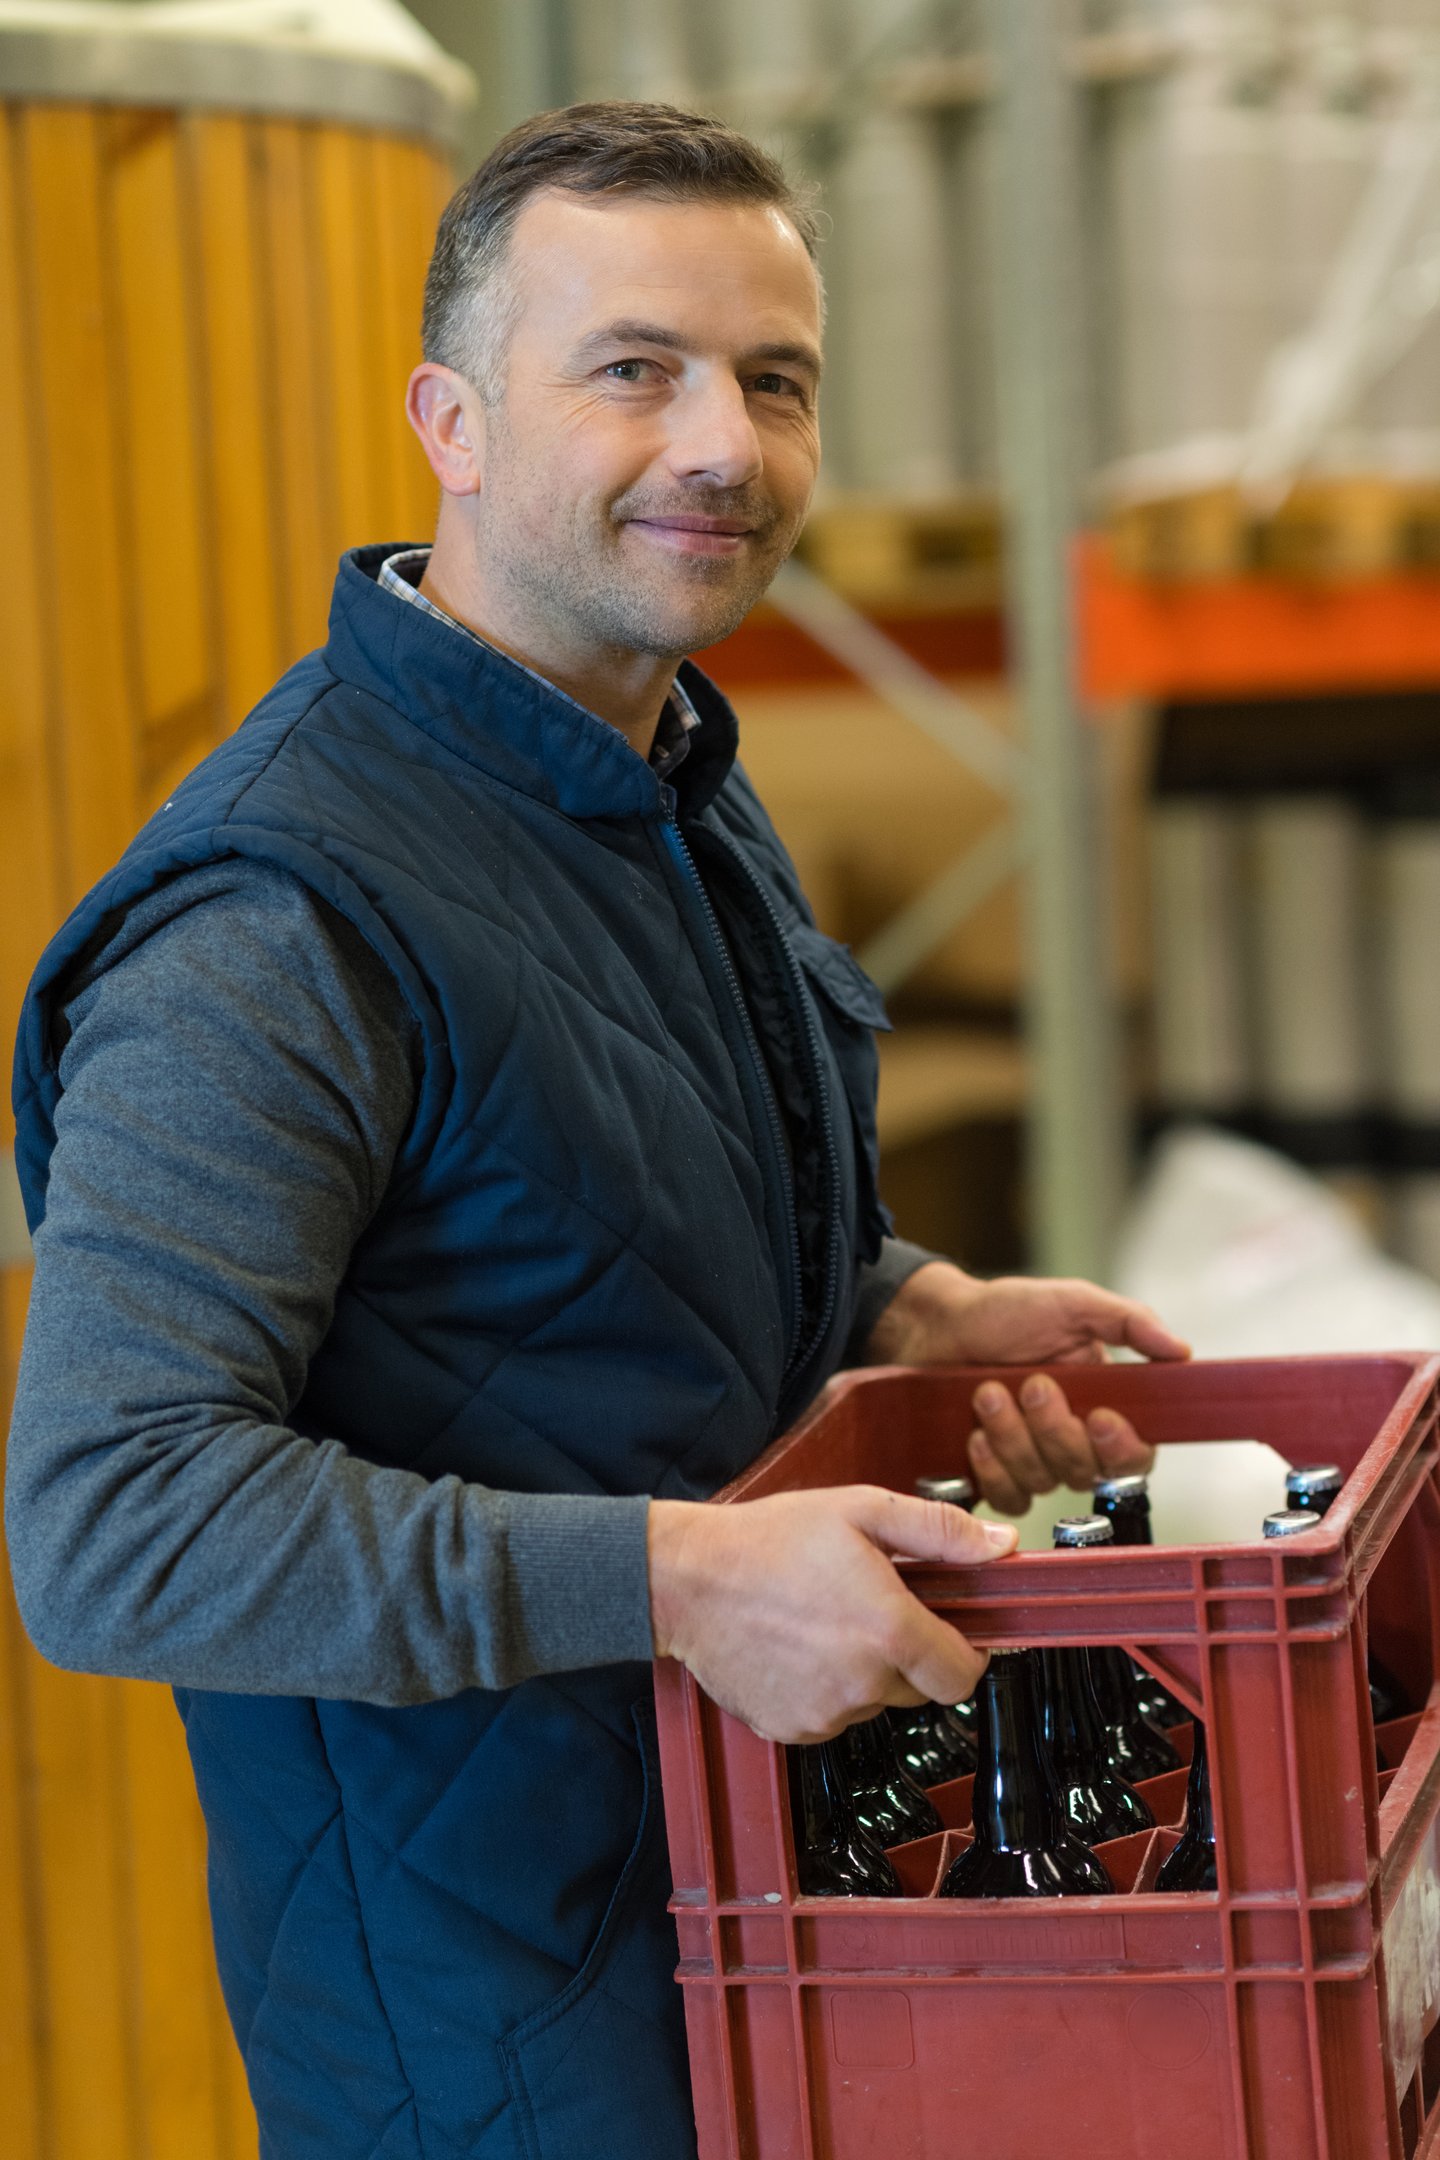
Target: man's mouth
(690,535)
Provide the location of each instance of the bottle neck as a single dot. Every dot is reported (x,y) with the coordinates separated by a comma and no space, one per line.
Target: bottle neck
(870,1751)
(1016,1801)
(1131,1519)
(1073,1726)
(824,1795)
(1199,1814)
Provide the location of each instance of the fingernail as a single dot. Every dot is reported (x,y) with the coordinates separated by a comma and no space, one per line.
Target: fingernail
(990,1399)
(1102,1425)
(1035,1394)
(1001,1534)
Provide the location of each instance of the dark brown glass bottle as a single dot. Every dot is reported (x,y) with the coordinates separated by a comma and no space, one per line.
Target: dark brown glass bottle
(834,1857)
(1125,1502)
(888,1803)
(1136,1748)
(1023,1845)
(1191,1866)
(1313,1485)
(957,1491)
(1098,1801)
(937,1740)
(1317,1486)
(931,1743)
(1289,1522)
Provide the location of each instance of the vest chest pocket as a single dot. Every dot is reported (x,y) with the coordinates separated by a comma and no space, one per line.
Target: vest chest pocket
(851,1010)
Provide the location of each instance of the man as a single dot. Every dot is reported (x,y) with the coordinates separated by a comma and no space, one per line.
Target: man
(450,1148)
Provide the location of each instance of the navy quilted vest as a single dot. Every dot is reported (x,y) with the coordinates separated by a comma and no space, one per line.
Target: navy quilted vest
(606,1263)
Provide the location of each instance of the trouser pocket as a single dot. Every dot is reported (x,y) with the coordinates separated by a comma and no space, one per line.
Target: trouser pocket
(601,2071)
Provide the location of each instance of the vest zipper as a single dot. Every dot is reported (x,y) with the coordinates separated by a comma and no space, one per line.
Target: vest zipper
(767,1092)
(821,1093)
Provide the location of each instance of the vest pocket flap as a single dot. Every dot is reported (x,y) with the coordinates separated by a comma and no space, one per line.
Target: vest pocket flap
(839,977)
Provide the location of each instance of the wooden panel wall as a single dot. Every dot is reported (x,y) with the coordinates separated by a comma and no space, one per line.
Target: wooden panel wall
(205,328)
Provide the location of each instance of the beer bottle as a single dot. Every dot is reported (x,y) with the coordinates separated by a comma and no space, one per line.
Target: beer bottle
(1098,1801)
(1125,1501)
(834,1857)
(937,1740)
(888,1803)
(1125,1504)
(1136,1748)
(1023,1844)
(1289,1522)
(959,1492)
(1313,1485)
(1191,1866)
(930,1754)
(1317,1486)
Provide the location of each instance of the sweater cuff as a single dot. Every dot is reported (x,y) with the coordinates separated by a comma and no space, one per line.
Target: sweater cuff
(579,1581)
(878,1281)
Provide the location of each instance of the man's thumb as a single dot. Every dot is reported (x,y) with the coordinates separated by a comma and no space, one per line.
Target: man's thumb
(916,1529)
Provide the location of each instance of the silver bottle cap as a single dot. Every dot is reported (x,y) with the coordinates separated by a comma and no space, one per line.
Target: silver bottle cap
(957,1490)
(1290,1521)
(1074,1531)
(1121,1488)
(1314,1477)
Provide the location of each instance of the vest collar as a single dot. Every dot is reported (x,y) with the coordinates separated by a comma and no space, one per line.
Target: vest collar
(501,718)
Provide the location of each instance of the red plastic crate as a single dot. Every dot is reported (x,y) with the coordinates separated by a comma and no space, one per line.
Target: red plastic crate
(1291,2016)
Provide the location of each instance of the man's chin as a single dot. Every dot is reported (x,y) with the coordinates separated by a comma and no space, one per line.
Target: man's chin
(707,620)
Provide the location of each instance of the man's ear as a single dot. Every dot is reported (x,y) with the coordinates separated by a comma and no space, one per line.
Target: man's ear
(449,418)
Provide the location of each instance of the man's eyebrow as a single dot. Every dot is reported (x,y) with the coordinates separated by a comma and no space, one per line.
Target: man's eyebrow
(631,331)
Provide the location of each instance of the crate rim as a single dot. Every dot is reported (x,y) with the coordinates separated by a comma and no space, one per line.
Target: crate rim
(1328,1538)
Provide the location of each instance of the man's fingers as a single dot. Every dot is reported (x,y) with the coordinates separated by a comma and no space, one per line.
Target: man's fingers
(1088,1353)
(900,1696)
(1147,1333)
(997,1487)
(1012,1440)
(1060,1437)
(790,1614)
(1124,1322)
(1121,1451)
(944,1664)
(927,1529)
(1040,1442)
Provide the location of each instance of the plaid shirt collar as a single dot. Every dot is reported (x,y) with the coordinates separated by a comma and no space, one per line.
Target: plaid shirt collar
(401,573)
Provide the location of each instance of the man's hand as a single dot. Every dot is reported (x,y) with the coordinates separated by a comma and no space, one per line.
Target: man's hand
(791,1616)
(942,1316)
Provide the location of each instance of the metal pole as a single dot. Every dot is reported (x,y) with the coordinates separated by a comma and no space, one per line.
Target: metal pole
(1076,1139)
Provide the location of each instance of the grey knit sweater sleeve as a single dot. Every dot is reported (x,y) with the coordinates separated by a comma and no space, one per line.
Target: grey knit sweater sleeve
(877,1284)
(236,1083)
(238,1077)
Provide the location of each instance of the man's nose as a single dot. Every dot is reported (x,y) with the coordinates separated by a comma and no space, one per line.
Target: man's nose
(713,437)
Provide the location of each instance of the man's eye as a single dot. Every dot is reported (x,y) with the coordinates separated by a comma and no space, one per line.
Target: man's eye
(628,370)
(776,386)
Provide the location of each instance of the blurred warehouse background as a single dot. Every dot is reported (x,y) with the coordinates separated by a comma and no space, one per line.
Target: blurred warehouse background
(1100,710)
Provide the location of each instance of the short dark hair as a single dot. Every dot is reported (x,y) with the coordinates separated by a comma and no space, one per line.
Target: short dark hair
(610,148)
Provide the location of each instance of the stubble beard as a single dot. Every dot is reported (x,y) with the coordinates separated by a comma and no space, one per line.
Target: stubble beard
(665,611)
(611,598)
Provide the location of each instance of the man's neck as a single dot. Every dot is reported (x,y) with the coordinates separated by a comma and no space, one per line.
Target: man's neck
(628,690)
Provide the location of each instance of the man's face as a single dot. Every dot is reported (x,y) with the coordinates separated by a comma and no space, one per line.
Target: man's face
(649,465)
